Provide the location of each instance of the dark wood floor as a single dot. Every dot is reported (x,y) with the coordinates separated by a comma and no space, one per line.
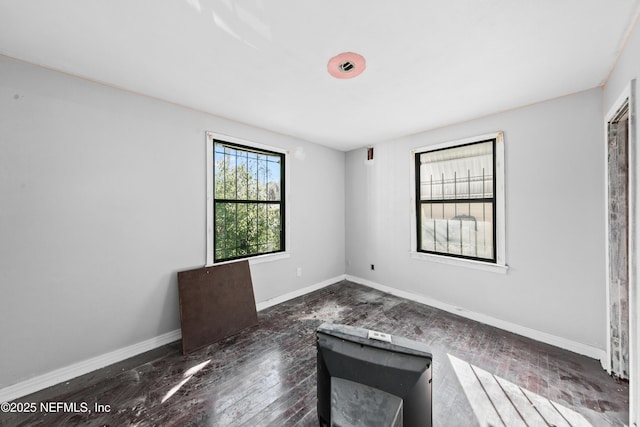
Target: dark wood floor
(267,375)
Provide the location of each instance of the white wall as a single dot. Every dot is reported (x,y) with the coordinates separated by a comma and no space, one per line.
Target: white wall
(627,69)
(102,201)
(554,221)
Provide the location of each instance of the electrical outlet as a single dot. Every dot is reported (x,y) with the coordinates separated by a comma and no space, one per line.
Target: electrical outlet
(373,267)
(299,272)
(380,336)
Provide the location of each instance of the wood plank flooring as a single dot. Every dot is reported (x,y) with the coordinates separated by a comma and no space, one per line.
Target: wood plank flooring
(266,375)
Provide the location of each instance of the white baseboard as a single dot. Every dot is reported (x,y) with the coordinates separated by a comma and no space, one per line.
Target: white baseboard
(77,369)
(544,337)
(84,367)
(298,293)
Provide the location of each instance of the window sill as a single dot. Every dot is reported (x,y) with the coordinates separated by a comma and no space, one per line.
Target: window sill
(467,263)
(258,259)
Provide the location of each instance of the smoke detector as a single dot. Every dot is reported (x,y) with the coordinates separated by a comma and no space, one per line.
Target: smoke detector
(347,65)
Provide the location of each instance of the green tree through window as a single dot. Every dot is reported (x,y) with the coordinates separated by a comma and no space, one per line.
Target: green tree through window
(248,201)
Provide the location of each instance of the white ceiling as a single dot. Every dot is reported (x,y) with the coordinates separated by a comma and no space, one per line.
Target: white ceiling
(264,62)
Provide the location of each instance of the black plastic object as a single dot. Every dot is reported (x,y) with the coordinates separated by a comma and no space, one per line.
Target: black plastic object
(401,368)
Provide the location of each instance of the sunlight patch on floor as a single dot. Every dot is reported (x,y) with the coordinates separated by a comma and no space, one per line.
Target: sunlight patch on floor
(498,402)
(187,376)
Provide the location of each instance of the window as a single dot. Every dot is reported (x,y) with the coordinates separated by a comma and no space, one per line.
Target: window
(247,212)
(460,199)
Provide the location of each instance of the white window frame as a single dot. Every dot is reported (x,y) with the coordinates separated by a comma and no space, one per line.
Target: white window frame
(211,137)
(500,266)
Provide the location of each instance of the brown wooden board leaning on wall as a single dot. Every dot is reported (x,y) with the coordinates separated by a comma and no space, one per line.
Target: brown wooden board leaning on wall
(215,302)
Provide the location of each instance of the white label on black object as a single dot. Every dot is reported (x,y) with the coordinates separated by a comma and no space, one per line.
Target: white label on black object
(380,336)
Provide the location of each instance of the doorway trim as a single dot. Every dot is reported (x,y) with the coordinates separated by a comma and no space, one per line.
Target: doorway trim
(627,95)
